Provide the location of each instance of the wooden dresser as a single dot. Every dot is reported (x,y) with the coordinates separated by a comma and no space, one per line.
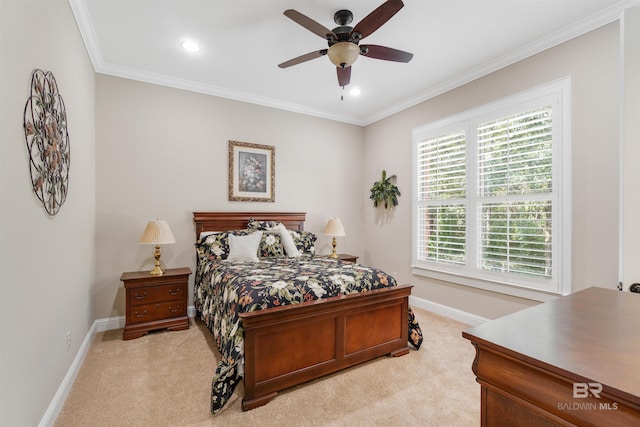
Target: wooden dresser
(155,302)
(572,361)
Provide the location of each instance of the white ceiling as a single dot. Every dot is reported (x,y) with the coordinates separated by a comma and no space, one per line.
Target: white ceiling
(242,41)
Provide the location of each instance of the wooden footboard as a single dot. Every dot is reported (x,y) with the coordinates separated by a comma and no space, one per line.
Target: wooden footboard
(289,345)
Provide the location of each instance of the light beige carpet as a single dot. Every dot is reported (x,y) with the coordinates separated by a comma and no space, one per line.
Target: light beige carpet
(164,379)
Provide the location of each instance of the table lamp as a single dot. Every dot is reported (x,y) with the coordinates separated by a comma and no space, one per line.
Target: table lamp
(157,233)
(335,229)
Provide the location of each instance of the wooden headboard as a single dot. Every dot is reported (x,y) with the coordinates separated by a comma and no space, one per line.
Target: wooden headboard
(222,221)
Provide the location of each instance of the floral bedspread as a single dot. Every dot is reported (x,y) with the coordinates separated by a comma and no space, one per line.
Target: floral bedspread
(224,289)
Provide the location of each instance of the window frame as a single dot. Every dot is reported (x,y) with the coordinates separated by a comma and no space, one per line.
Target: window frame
(557,93)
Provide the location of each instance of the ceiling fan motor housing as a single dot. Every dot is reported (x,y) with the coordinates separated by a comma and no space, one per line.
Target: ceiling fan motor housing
(343,31)
(343,17)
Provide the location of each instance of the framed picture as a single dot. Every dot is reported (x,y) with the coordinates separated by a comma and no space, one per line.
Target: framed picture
(251,172)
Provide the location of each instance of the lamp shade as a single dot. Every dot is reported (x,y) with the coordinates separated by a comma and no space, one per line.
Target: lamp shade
(334,228)
(157,232)
(343,54)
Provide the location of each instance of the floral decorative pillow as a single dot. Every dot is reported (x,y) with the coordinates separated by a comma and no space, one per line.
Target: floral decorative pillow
(270,245)
(305,241)
(216,245)
(261,225)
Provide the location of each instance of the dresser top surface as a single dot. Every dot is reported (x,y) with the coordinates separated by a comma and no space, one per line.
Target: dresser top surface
(593,334)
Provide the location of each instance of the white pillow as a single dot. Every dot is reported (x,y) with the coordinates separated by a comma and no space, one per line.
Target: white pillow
(287,241)
(244,248)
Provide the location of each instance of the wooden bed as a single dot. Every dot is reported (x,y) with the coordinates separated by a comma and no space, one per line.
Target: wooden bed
(350,329)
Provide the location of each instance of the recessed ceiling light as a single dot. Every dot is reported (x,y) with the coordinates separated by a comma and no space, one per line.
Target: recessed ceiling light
(190,46)
(355,91)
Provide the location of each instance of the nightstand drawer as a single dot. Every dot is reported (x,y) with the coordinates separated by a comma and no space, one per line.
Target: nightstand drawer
(155,302)
(348,258)
(163,310)
(152,294)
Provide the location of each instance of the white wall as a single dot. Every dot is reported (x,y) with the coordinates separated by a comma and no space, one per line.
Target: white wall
(46,263)
(592,61)
(162,152)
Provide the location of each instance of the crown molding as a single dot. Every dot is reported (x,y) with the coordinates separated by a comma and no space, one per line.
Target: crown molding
(88,33)
(177,83)
(581,27)
(81,14)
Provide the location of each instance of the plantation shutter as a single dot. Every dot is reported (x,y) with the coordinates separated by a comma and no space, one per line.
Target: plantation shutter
(442,207)
(514,182)
(492,195)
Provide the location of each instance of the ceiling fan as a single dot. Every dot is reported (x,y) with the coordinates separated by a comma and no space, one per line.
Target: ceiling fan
(344,41)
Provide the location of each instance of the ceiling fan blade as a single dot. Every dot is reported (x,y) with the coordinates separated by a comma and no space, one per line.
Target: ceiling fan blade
(377,18)
(344,76)
(303,58)
(310,24)
(386,53)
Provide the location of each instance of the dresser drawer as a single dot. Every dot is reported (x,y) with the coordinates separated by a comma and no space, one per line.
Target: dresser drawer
(149,294)
(159,311)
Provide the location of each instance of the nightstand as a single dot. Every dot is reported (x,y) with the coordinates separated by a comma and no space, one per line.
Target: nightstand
(155,302)
(346,257)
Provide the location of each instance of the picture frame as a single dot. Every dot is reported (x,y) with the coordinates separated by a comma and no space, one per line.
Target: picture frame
(251,172)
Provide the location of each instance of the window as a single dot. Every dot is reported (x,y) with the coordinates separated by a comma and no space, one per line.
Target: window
(492,195)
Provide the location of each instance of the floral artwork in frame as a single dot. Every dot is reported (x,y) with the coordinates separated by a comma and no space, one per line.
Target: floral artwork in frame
(251,172)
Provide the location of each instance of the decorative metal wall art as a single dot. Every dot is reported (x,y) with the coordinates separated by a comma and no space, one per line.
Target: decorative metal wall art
(45,130)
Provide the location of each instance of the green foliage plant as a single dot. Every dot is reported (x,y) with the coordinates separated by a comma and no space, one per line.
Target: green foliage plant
(385,192)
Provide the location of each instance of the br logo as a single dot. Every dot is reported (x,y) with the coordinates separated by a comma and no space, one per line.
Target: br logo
(583,390)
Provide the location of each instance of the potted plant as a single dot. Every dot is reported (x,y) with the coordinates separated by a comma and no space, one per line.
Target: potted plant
(384,191)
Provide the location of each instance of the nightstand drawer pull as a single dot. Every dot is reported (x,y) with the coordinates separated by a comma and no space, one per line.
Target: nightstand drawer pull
(174,292)
(144,313)
(140,297)
(174,310)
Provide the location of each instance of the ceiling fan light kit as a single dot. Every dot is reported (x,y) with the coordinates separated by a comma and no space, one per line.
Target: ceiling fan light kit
(343,41)
(343,54)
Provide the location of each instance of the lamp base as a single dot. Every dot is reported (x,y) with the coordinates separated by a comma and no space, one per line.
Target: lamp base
(333,249)
(157,271)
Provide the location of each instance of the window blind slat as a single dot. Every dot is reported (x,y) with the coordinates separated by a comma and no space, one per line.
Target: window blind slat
(515,154)
(516,237)
(442,235)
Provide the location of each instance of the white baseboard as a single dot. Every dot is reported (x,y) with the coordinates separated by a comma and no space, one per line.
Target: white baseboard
(450,312)
(101,325)
(50,415)
(109,323)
